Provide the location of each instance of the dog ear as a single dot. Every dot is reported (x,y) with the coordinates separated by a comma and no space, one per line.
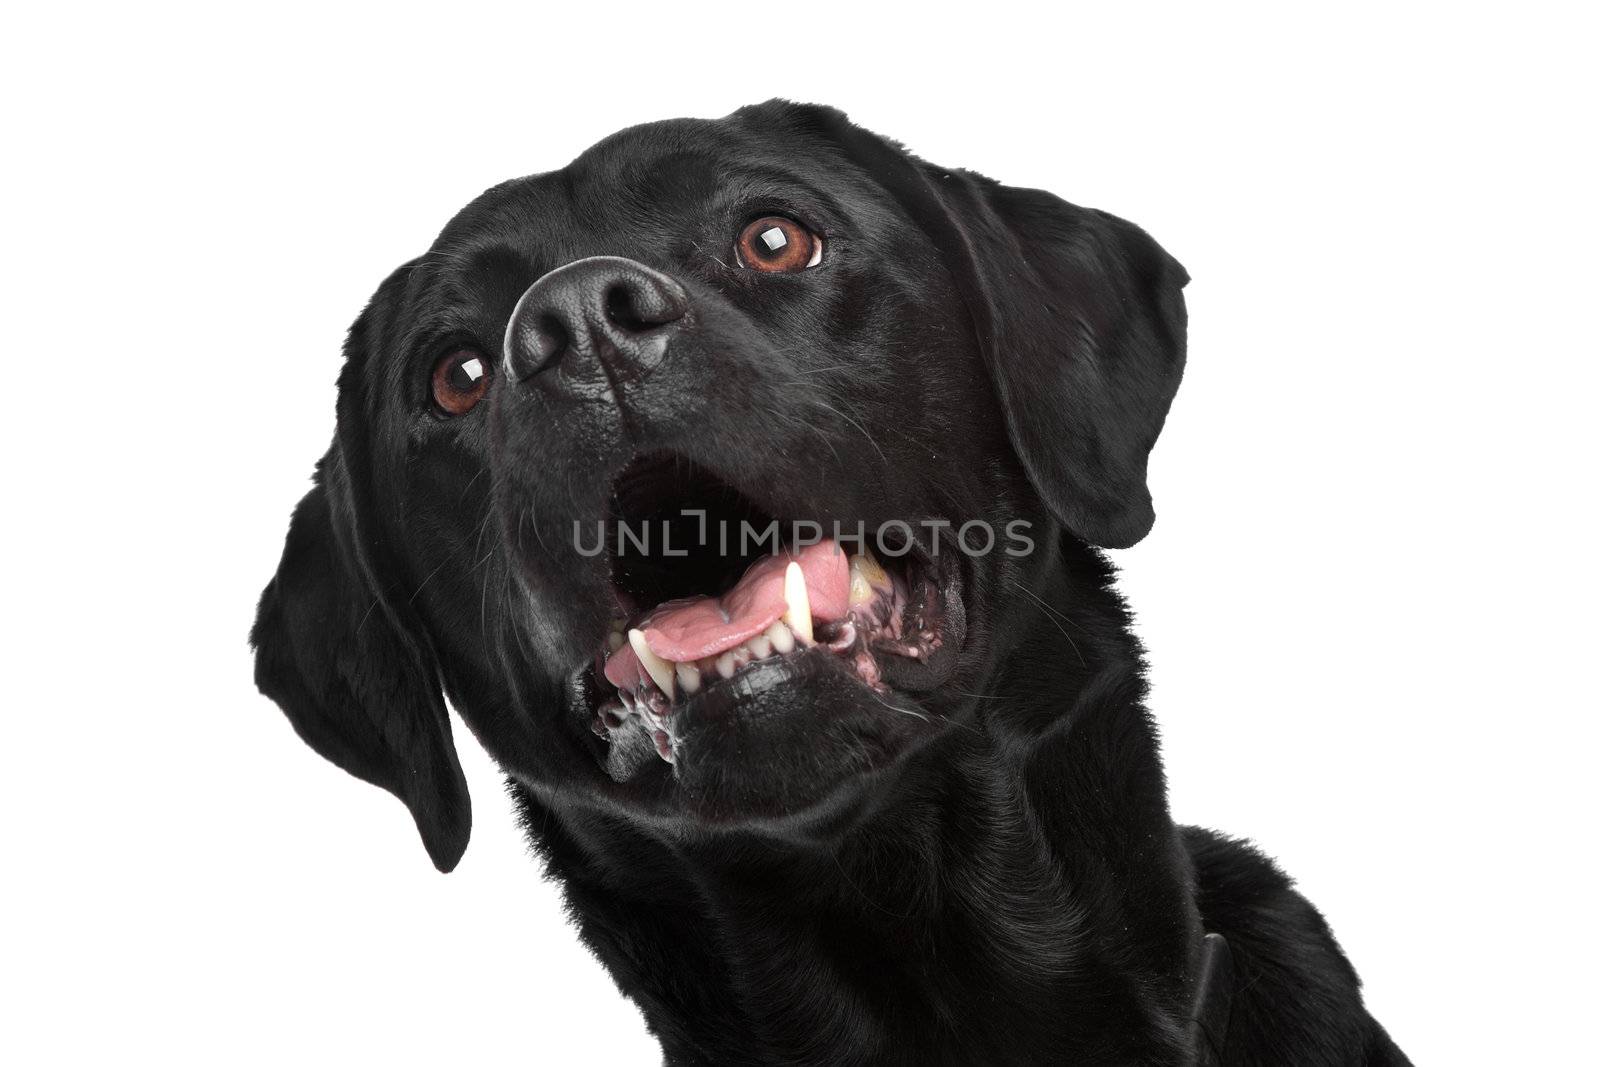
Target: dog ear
(1080,316)
(1083,326)
(358,687)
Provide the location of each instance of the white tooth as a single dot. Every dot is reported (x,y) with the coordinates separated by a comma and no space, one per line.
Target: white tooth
(725,665)
(741,655)
(760,646)
(799,600)
(660,670)
(615,640)
(865,577)
(782,640)
(689,677)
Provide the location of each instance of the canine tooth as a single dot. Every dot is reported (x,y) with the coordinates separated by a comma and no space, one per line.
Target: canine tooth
(760,646)
(660,670)
(615,640)
(782,640)
(726,665)
(689,677)
(798,598)
(865,576)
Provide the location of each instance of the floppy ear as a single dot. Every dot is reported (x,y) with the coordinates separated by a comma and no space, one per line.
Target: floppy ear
(357,687)
(1083,325)
(1080,316)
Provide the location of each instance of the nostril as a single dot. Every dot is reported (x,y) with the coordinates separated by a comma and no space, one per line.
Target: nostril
(535,342)
(640,305)
(622,310)
(549,340)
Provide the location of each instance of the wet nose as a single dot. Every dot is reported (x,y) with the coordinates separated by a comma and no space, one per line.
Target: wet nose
(604,308)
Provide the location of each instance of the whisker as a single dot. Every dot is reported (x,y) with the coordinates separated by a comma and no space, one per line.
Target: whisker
(1050,613)
(870,440)
(425,581)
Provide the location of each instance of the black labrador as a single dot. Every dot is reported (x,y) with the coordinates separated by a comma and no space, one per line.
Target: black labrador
(740,484)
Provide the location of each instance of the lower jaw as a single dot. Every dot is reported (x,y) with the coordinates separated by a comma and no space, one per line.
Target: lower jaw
(762,676)
(792,746)
(649,724)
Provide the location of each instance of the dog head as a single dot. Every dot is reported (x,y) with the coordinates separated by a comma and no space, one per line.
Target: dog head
(698,473)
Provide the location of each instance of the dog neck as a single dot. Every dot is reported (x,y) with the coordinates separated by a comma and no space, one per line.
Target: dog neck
(1021,888)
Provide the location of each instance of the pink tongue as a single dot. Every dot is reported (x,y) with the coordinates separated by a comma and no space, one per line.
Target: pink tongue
(696,627)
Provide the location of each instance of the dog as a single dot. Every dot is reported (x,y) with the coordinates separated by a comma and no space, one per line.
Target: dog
(742,484)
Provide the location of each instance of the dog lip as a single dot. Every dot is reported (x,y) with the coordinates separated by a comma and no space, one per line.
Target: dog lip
(717,706)
(757,678)
(942,595)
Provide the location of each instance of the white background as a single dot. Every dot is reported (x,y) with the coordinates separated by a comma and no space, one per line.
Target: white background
(1368,598)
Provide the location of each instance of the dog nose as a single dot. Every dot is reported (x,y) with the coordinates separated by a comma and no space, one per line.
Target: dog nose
(603,308)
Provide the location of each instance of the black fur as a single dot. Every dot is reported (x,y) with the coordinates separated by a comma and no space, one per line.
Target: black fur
(978,867)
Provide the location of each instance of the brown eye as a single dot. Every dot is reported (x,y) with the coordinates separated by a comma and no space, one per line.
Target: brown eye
(777,245)
(459,381)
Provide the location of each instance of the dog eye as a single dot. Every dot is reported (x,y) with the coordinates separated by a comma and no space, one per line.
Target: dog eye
(459,381)
(776,245)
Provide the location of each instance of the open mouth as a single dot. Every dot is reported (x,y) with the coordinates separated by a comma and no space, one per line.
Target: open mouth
(718,602)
